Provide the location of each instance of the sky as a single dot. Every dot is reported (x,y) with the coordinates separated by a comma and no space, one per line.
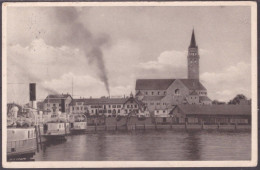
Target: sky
(99,51)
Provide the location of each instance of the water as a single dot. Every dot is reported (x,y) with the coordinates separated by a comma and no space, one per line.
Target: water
(163,145)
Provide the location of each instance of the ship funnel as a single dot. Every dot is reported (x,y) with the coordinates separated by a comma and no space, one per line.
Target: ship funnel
(62,105)
(32,89)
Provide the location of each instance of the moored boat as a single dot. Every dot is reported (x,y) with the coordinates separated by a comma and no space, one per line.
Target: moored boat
(58,126)
(79,124)
(21,131)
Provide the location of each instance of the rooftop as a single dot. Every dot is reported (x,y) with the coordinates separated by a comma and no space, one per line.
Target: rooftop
(216,109)
(93,101)
(163,84)
(153,98)
(56,98)
(153,84)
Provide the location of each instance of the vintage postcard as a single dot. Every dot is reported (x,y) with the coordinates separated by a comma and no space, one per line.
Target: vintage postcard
(129,84)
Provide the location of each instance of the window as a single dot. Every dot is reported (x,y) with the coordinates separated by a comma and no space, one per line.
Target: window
(164,111)
(109,106)
(54,104)
(158,93)
(109,111)
(77,108)
(146,93)
(164,92)
(135,106)
(118,110)
(72,108)
(157,111)
(81,108)
(158,103)
(92,111)
(118,106)
(114,106)
(48,105)
(177,92)
(59,104)
(151,103)
(152,92)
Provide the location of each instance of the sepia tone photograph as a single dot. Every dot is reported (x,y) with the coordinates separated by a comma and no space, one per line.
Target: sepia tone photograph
(129,84)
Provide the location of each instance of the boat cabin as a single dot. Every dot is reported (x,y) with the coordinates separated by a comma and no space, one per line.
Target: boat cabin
(21,141)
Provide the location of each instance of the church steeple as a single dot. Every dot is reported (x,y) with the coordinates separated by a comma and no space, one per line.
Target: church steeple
(193,59)
(193,41)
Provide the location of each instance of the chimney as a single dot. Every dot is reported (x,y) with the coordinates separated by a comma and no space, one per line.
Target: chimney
(32,90)
(62,105)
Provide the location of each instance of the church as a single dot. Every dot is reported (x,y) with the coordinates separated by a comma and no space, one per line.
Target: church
(162,94)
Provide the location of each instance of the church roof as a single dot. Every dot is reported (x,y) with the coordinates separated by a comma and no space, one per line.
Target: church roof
(193,84)
(193,41)
(153,84)
(163,84)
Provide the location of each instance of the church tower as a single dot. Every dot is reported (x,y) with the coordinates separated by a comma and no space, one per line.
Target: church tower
(193,59)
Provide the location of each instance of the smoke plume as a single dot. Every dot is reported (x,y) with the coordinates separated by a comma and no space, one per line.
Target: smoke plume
(78,36)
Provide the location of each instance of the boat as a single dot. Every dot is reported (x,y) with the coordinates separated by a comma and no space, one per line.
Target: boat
(21,131)
(79,124)
(58,126)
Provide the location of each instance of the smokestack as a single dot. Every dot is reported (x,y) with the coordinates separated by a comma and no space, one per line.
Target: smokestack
(32,89)
(62,105)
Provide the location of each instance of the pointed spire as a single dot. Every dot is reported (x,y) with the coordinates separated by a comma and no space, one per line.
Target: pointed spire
(193,41)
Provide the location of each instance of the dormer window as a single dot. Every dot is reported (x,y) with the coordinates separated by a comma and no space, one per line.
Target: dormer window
(177,92)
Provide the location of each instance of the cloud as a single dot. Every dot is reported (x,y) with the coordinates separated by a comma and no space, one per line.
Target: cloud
(228,82)
(175,59)
(171,64)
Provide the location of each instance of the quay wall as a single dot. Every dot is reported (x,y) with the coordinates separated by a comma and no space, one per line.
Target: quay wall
(152,123)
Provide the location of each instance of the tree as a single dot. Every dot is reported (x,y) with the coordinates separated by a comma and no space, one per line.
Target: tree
(236,100)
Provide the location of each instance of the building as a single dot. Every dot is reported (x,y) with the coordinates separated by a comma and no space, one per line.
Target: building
(107,106)
(52,103)
(160,94)
(213,114)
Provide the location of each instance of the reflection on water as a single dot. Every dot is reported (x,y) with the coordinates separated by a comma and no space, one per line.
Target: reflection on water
(165,145)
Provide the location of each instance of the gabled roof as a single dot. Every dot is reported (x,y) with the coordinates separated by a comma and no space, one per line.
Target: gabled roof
(139,93)
(204,98)
(153,84)
(215,109)
(153,98)
(193,84)
(96,101)
(56,98)
(163,84)
(194,93)
(102,101)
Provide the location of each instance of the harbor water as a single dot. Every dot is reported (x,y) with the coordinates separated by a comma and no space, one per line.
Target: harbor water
(153,145)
